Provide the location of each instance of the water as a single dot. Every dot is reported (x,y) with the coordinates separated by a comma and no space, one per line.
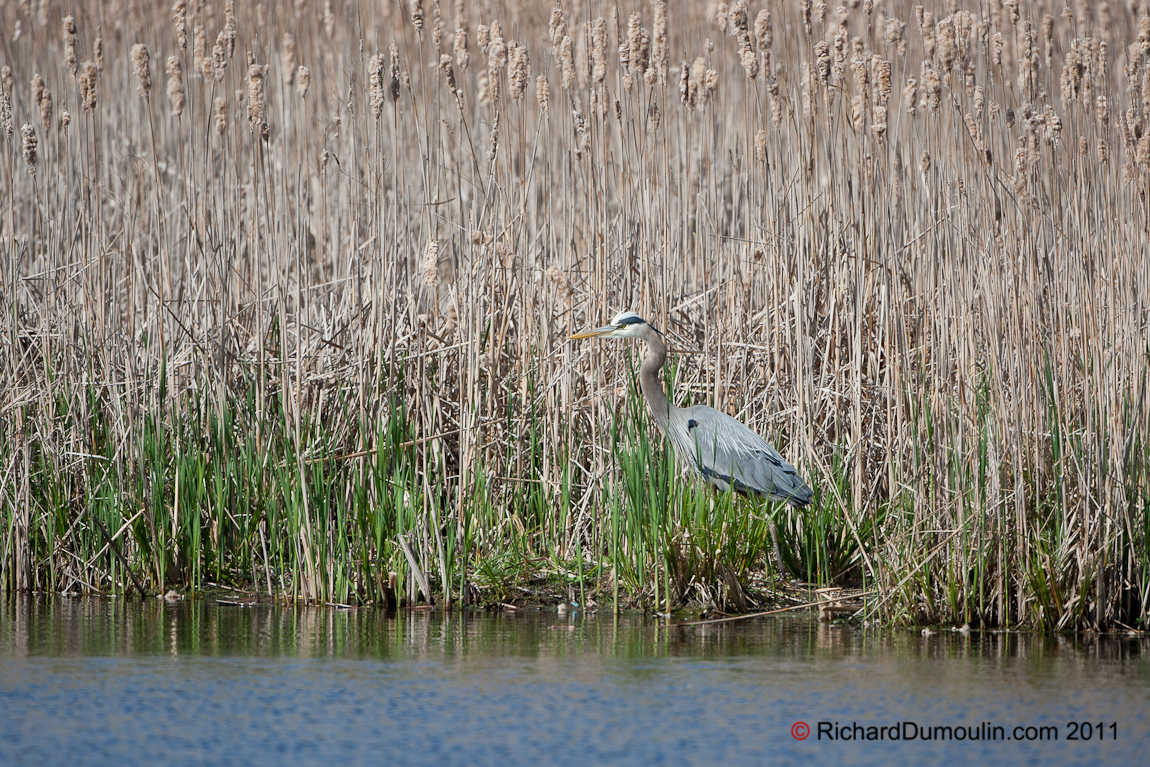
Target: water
(94,682)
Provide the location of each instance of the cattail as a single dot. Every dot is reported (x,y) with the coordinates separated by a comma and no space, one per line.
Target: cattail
(221,113)
(180,22)
(929,39)
(659,44)
(996,49)
(881,69)
(462,56)
(287,58)
(567,61)
(37,88)
(805,10)
(1012,6)
(598,50)
(520,70)
(764,32)
(639,44)
(6,79)
(229,32)
(878,126)
(557,28)
(46,109)
(65,119)
(711,81)
(685,85)
(862,77)
(219,57)
(431,265)
(201,61)
(822,61)
(924,162)
(375,80)
(448,74)
(302,80)
(88,72)
(1048,36)
(482,36)
(417,14)
(896,34)
(140,66)
(1102,152)
(761,145)
(543,93)
(98,53)
(776,102)
(979,102)
(70,44)
(1102,110)
(175,85)
(493,152)
(496,47)
(256,116)
(6,115)
(910,96)
(30,142)
(393,87)
(328,19)
(933,86)
(947,48)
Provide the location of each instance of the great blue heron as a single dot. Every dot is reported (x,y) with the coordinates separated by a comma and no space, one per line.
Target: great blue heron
(712,445)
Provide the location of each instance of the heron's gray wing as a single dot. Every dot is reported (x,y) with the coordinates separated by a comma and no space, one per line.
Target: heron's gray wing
(729,456)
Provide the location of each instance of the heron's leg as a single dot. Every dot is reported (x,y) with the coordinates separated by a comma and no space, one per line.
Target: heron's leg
(778,553)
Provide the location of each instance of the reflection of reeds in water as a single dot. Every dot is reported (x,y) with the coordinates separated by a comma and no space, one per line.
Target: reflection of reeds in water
(227,339)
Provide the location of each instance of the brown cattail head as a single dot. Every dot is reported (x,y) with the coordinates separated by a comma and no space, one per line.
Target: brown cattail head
(175,85)
(228,34)
(462,56)
(598,50)
(761,145)
(1048,36)
(910,96)
(393,86)
(30,143)
(822,61)
(201,61)
(557,29)
(519,66)
(302,80)
(221,115)
(659,44)
(37,88)
(6,114)
(375,84)
(764,31)
(180,22)
(417,15)
(88,73)
(431,265)
(70,44)
(98,53)
(6,79)
(65,119)
(256,108)
(219,57)
(287,58)
(882,87)
(567,62)
(46,109)
(543,93)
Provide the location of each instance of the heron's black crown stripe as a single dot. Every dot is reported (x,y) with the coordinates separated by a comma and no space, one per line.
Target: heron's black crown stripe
(632,320)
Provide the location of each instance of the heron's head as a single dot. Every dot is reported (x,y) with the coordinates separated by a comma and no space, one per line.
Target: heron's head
(625,325)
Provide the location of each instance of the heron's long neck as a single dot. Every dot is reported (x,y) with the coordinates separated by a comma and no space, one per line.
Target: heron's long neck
(649,378)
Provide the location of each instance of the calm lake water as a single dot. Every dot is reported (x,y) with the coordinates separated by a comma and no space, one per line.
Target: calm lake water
(97,681)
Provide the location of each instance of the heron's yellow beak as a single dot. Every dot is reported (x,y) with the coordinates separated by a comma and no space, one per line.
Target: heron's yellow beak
(606,330)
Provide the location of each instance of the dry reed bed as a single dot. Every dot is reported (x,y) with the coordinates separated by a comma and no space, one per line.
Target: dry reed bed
(909,244)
